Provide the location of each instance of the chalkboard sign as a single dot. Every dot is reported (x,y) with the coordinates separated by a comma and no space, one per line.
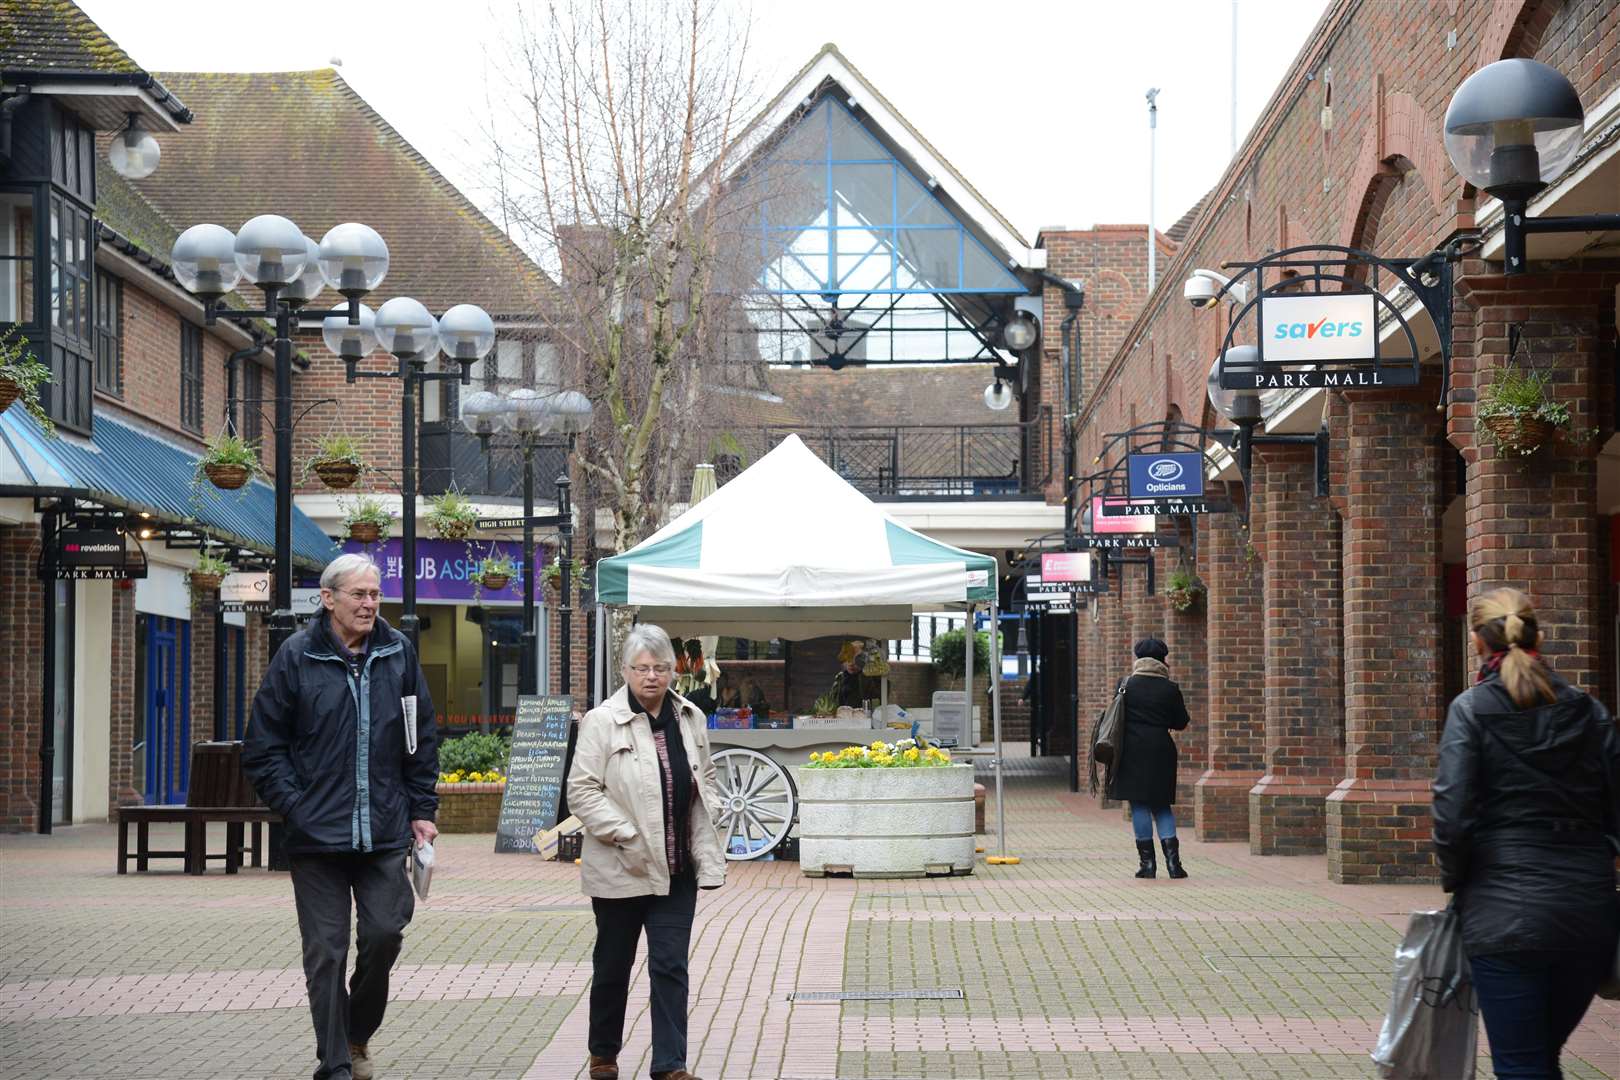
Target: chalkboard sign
(534,777)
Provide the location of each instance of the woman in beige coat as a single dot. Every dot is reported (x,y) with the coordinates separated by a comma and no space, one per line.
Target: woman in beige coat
(643,784)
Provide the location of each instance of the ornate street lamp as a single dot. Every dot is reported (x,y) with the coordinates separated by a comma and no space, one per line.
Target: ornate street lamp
(272,253)
(1512,128)
(530,415)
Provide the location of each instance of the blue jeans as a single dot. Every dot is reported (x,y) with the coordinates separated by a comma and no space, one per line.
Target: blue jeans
(1144,817)
(1531,1002)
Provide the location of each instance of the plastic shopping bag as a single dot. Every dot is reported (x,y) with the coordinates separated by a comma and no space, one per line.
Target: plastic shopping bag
(1432,1029)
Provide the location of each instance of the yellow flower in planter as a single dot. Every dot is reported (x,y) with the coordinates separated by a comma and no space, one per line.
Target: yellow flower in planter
(913,754)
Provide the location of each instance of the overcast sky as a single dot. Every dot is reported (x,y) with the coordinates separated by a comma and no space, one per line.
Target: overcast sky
(1039,104)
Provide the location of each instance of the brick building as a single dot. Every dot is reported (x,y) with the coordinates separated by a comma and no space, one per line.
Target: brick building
(110,679)
(1333,634)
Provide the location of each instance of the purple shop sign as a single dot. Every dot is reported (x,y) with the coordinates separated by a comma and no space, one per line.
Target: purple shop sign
(445,568)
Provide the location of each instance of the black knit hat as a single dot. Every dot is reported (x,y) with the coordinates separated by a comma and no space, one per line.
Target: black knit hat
(1152,648)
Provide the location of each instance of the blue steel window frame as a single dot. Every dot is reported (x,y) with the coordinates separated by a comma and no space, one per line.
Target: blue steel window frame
(826,285)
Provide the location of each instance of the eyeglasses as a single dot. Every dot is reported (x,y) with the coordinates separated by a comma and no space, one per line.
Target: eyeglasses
(651,669)
(360,596)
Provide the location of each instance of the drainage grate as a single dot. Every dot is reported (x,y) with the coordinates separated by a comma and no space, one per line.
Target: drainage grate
(878,995)
(1272,964)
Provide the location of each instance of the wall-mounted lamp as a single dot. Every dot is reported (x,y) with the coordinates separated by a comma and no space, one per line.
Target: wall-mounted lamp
(1512,128)
(134,153)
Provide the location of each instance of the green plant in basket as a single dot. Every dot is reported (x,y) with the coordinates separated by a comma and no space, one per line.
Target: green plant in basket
(1517,413)
(905,754)
(208,571)
(1183,589)
(337,461)
(949,652)
(228,461)
(367,520)
(495,571)
(21,376)
(452,515)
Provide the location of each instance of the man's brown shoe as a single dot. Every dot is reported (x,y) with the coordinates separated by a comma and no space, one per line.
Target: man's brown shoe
(360,1055)
(604,1068)
(676,1074)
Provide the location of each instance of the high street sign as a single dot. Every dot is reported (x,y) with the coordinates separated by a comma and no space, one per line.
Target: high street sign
(539,521)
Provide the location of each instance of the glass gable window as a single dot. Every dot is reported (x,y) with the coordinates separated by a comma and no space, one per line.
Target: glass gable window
(17,258)
(838,213)
(70,248)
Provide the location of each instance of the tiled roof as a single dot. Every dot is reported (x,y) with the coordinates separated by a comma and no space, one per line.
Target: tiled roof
(56,38)
(305,145)
(1178,232)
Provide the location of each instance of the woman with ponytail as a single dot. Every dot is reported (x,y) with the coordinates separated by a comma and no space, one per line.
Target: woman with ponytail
(1526,823)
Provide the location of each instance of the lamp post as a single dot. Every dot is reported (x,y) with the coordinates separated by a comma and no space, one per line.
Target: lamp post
(530,415)
(1246,409)
(405,329)
(273,254)
(1512,128)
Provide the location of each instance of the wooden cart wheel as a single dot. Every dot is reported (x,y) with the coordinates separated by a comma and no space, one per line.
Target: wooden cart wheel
(758,803)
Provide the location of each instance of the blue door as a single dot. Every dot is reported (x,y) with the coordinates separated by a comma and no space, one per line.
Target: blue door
(168,709)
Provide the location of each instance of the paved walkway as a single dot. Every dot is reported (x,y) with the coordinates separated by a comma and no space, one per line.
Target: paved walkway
(1066,967)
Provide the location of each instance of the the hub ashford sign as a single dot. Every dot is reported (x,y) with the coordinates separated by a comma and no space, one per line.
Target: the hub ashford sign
(1323,317)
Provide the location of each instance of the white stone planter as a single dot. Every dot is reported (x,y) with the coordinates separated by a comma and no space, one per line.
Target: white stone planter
(886,823)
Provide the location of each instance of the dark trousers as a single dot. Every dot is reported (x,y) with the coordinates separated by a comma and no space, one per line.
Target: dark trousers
(619,923)
(322,887)
(1531,1002)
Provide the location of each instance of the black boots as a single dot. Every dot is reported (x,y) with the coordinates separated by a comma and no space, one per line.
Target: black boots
(1150,865)
(1172,857)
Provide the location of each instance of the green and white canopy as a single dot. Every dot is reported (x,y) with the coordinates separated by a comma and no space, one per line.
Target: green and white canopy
(789,550)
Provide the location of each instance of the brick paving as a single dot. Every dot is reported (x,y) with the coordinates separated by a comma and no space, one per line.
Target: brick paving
(1256,968)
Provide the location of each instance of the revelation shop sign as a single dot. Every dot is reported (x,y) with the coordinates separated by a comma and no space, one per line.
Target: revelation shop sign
(97,555)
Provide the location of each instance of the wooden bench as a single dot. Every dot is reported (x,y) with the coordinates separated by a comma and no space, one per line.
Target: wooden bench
(218,791)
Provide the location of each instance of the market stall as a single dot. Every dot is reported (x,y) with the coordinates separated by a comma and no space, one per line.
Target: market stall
(789,550)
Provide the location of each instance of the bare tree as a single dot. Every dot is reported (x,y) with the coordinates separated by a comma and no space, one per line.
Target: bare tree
(617,131)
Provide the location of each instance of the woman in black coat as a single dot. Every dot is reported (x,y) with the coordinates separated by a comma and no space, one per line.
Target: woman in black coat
(1526,808)
(1146,774)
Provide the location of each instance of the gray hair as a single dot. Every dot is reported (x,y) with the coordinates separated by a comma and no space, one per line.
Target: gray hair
(345,566)
(650,639)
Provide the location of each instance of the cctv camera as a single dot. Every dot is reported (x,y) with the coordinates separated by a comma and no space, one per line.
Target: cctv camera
(1200,291)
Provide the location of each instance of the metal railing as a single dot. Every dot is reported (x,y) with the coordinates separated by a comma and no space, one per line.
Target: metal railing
(921,461)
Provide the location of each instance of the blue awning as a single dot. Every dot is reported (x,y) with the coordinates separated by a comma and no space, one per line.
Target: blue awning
(121,466)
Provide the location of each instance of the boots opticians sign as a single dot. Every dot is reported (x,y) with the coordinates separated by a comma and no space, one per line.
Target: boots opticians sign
(1315,328)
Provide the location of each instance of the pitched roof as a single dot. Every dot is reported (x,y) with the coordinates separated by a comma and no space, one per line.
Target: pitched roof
(56,38)
(305,145)
(1178,232)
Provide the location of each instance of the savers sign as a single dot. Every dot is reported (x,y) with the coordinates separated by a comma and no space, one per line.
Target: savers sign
(1312,328)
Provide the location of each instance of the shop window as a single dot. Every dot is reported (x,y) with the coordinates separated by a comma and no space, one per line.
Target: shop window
(191,378)
(109,311)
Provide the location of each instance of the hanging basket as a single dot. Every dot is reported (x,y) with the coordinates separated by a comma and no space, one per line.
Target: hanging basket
(1521,435)
(451,529)
(226,477)
(494,582)
(1184,600)
(337,474)
(205,582)
(366,532)
(10,391)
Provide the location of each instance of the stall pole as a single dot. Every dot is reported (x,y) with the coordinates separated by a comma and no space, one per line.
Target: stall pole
(600,659)
(1002,859)
(967,691)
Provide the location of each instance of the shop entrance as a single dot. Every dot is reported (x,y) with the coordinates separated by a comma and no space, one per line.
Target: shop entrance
(163,673)
(502,653)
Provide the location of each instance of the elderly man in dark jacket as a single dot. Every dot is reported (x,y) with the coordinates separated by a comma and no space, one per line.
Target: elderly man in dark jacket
(1146,776)
(342,745)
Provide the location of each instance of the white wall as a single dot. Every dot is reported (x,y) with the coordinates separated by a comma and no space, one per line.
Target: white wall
(92,700)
